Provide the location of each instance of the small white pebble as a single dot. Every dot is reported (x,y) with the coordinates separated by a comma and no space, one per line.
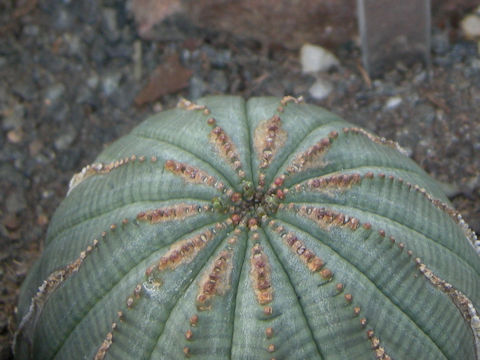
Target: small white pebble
(470,25)
(320,89)
(393,102)
(315,58)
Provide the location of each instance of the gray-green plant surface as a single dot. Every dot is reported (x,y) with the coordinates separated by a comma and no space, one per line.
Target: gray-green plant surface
(265,229)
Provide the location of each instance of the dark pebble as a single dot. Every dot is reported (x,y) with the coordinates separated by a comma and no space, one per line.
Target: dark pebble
(218,81)
(119,51)
(109,25)
(63,19)
(97,51)
(69,159)
(25,89)
(197,88)
(440,43)
(15,201)
(219,58)
(88,11)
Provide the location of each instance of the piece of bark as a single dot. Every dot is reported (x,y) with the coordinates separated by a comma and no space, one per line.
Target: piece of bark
(288,23)
(273,22)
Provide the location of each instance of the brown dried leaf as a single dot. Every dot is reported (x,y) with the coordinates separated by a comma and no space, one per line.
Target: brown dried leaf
(167,78)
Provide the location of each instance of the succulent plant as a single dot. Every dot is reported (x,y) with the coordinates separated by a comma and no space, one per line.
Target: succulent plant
(259,229)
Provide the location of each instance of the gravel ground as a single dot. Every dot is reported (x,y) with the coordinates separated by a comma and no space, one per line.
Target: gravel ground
(74,76)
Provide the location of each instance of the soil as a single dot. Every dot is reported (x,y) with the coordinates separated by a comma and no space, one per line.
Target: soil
(75,75)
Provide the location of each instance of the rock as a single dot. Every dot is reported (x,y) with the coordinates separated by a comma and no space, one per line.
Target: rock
(14,117)
(218,81)
(425,113)
(197,88)
(31,30)
(125,95)
(119,51)
(320,89)
(68,160)
(9,174)
(15,136)
(315,58)
(16,202)
(273,87)
(93,81)
(12,222)
(219,58)
(137,60)
(393,102)
(440,43)
(35,147)
(63,19)
(54,93)
(65,139)
(84,95)
(24,88)
(97,51)
(88,11)
(88,34)
(110,83)
(462,50)
(420,77)
(109,24)
(42,219)
(74,45)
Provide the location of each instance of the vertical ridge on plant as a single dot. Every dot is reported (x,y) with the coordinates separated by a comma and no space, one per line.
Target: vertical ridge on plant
(266,229)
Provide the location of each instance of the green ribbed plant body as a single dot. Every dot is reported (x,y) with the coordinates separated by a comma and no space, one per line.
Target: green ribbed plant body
(259,229)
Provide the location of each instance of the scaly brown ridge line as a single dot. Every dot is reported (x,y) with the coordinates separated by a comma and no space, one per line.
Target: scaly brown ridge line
(329,183)
(183,251)
(454,214)
(299,248)
(193,175)
(102,351)
(107,342)
(289,99)
(380,353)
(363,322)
(171,213)
(308,257)
(315,264)
(216,280)
(337,183)
(312,157)
(102,168)
(268,138)
(260,274)
(53,281)
(461,301)
(226,149)
(375,139)
(323,217)
(191,106)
